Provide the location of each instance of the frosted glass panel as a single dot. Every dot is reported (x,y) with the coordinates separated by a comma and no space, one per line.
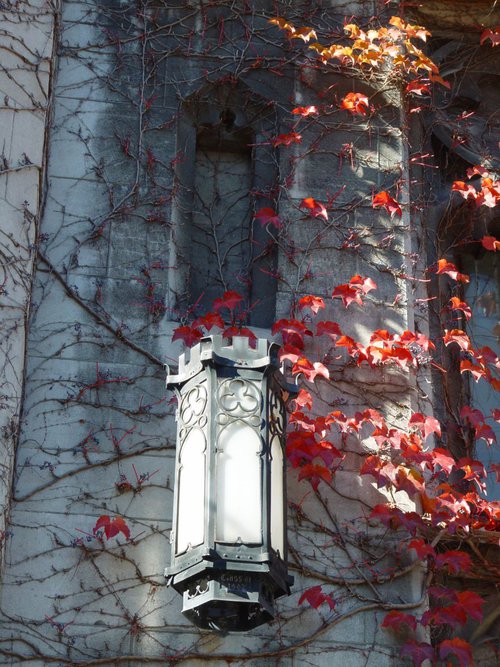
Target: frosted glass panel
(239,512)
(277,517)
(191,502)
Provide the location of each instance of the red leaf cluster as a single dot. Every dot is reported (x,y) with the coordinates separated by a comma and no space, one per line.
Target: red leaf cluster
(487,194)
(352,291)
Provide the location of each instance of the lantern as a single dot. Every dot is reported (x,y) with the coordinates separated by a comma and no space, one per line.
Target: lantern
(229,552)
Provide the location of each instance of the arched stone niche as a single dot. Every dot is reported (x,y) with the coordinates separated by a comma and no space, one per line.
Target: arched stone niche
(225,170)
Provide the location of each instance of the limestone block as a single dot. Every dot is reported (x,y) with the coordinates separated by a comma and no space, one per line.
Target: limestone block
(83,78)
(98,565)
(80,488)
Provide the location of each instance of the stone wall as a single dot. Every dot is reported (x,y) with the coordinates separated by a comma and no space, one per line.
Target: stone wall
(97,429)
(26,52)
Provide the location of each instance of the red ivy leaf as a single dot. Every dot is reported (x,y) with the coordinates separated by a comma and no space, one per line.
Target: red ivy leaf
(418,652)
(355,103)
(348,295)
(492,35)
(316,208)
(303,399)
(472,603)
(209,321)
(315,474)
(485,432)
(490,243)
(292,332)
(495,467)
(451,270)
(289,353)
(112,526)
(476,371)
(300,448)
(286,139)
(384,200)
(268,216)
(418,87)
(351,292)
(312,302)
(421,548)
(229,300)
(467,190)
(365,285)
(425,425)
(394,518)
(443,458)
(454,561)
(457,336)
(315,597)
(310,371)
(189,335)
(241,331)
(328,452)
(457,304)
(451,615)
(472,415)
(327,328)
(396,619)
(305,111)
(461,649)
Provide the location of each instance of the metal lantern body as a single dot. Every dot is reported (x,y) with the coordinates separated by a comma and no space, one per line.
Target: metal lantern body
(229,527)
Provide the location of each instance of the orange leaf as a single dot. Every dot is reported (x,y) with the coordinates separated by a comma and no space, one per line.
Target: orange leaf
(286,139)
(457,304)
(356,103)
(305,34)
(451,270)
(457,336)
(305,111)
(477,371)
(384,200)
(315,207)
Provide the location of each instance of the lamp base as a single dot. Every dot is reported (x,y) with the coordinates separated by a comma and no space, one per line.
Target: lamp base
(229,602)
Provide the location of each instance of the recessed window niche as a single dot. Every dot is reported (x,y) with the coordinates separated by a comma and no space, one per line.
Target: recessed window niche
(226,169)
